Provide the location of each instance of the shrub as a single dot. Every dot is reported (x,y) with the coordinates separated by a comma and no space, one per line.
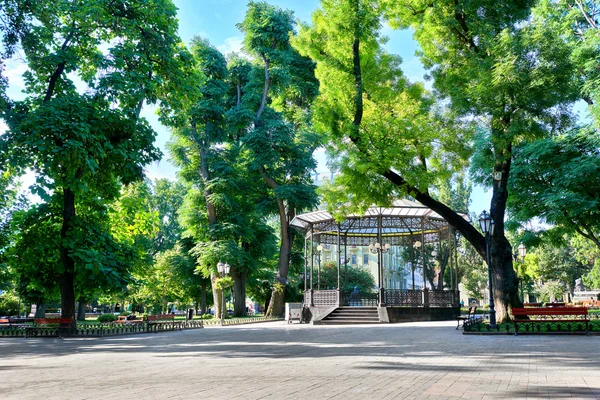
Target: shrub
(124,314)
(106,318)
(9,304)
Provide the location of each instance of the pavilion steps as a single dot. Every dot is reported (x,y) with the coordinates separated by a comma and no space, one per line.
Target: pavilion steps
(352,315)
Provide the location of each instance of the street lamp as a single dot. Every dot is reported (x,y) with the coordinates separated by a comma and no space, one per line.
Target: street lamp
(223,271)
(522,252)
(486,223)
(416,245)
(378,249)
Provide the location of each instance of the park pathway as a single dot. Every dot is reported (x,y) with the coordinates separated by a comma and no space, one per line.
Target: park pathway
(279,361)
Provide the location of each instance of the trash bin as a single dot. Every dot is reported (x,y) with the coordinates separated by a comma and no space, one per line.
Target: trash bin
(293,311)
(190,314)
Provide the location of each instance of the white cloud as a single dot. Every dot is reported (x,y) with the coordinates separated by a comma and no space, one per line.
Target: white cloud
(231,45)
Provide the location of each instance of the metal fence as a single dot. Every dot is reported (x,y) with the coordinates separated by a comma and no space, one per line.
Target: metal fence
(97,330)
(403,297)
(360,299)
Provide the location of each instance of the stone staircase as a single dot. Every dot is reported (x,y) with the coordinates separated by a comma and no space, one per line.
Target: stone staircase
(352,315)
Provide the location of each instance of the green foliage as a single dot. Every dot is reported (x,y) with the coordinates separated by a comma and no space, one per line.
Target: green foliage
(9,304)
(352,276)
(104,318)
(556,180)
(551,291)
(558,264)
(224,283)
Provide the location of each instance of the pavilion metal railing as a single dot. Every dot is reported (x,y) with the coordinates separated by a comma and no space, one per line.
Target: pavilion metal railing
(359,299)
(388,297)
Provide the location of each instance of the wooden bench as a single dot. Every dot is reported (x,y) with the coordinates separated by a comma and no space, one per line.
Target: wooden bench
(62,326)
(122,319)
(557,315)
(4,321)
(470,315)
(162,319)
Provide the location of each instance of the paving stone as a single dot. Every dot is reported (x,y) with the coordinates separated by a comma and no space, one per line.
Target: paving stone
(281,361)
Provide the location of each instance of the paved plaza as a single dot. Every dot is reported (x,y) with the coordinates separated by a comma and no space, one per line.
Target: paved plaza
(279,361)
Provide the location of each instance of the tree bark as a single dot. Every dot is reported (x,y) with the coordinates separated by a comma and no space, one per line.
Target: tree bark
(239,293)
(40,310)
(217,295)
(67,277)
(81,310)
(285,252)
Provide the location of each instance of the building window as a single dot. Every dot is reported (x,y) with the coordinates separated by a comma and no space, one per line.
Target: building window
(354,259)
(327,258)
(365,258)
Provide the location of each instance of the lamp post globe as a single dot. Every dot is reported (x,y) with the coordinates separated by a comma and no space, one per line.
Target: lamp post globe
(522,251)
(486,223)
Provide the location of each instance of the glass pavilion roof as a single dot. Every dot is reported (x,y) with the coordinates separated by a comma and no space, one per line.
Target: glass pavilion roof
(397,223)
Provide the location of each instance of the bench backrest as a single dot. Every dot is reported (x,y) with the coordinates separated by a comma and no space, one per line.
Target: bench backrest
(53,321)
(4,321)
(532,304)
(162,317)
(551,311)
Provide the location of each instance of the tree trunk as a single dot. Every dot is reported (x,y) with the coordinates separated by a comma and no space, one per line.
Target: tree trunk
(81,310)
(239,293)
(217,295)
(202,299)
(268,302)
(40,311)
(285,252)
(67,277)
(443,264)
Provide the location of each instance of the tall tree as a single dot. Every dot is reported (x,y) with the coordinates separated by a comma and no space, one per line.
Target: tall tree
(493,65)
(279,140)
(87,141)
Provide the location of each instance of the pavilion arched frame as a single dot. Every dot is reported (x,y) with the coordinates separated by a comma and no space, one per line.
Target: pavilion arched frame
(403,223)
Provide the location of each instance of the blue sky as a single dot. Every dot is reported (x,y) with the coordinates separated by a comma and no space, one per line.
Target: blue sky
(216,20)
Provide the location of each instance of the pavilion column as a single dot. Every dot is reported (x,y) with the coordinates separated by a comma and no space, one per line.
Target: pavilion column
(423,253)
(346,258)
(380,260)
(318,264)
(312,264)
(450,254)
(412,260)
(439,258)
(305,261)
(339,251)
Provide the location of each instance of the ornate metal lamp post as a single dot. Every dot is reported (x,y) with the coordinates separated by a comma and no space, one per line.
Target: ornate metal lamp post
(378,249)
(417,246)
(223,272)
(486,223)
(520,256)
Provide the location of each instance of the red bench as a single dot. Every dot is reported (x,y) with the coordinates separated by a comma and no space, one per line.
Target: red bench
(40,326)
(557,315)
(53,321)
